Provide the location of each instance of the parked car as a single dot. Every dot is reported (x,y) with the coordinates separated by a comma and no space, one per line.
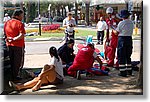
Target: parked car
(35,22)
(58,19)
(43,19)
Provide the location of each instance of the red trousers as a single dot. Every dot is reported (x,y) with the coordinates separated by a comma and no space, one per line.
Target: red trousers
(110,50)
(72,71)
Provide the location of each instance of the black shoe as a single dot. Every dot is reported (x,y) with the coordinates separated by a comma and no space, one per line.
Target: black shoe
(13,85)
(88,74)
(97,43)
(123,73)
(129,72)
(107,69)
(78,75)
(101,43)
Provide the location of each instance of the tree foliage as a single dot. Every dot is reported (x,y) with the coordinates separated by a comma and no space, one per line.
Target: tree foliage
(31,11)
(8,4)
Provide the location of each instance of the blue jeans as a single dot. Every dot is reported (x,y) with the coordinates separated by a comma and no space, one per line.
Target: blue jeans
(67,36)
(124,50)
(100,36)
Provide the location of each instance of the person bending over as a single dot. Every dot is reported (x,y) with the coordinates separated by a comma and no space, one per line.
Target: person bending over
(84,60)
(66,53)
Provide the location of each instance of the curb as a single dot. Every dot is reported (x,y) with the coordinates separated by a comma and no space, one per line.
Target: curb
(59,39)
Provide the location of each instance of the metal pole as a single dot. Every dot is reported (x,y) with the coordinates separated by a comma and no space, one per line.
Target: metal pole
(39,18)
(49,16)
(49,19)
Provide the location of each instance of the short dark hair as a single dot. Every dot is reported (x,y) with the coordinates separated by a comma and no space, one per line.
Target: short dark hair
(69,13)
(17,12)
(91,45)
(70,41)
(126,17)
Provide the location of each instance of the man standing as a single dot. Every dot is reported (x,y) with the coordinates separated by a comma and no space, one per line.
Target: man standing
(14,30)
(69,23)
(101,26)
(125,31)
(111,42)
(6,18)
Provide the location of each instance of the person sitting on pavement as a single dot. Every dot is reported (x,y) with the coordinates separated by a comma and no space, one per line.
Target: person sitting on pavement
(84,60)
(66,53)
(50,74)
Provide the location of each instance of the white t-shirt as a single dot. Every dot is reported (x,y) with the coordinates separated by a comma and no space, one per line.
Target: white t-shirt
(6,19)
(101,26)
(125,28)
(66,21)
(58,67)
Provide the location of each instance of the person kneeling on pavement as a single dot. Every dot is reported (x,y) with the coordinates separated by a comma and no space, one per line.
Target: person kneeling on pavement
(66,53)
(84,60)
(50,74)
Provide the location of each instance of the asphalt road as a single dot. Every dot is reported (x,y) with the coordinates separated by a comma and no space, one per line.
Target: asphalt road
(42,47)
(37,52)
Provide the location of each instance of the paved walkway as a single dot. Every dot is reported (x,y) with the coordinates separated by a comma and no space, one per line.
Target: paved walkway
(95,85)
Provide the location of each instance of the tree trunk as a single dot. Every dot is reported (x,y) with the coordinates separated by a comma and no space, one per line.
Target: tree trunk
(140,76)
(62,12)
(21,5)
(69,8)
(127,4)
(87,5)
(28,12)
(76,12)
(65,12)
(58,11)
(24,10)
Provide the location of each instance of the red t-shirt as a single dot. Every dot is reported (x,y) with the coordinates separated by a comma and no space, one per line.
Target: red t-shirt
(114,39)
(12,29)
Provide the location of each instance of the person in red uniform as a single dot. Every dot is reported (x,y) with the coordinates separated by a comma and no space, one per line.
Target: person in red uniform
(111,41)
(84,60)
(14,31)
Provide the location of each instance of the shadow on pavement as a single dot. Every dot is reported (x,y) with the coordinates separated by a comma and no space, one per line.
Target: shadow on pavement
(95,85)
